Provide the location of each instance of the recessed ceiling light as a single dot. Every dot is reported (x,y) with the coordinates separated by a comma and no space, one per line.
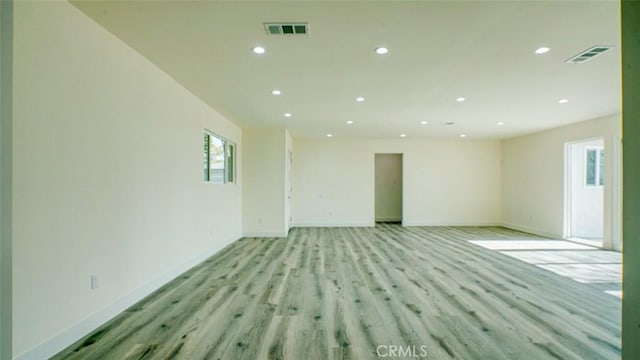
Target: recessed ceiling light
(349,122)
(460,99)
(287,115)
(258,50)
(403,135)
(500,123)
(542,50)
(563,101)
(276,92)
(329,135)
(463,135)
(359,99)
(424,122)
(382,50)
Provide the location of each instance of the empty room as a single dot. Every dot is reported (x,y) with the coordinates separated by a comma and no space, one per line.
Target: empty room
(319,180)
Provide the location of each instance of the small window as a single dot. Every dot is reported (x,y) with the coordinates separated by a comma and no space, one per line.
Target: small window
(219,159)
(594,162)
(230,165)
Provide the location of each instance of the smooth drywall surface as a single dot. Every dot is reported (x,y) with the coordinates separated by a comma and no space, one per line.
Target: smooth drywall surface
(107,178)
(6,151)
(586,200)
(533,176)
(333,184)
(263,188)
(445,182)
(631,131)
(388,187)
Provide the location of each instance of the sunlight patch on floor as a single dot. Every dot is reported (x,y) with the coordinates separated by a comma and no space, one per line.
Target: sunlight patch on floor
(588,273)
(530,245)
(567,257)
(581,263)
(616,293)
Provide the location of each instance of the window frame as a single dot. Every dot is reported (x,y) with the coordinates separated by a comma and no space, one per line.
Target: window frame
(229,159)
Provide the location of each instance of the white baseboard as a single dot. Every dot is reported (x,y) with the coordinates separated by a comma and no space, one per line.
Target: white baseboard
(266,234)
(532,230)
(325,224)
(438,223)
(74,333)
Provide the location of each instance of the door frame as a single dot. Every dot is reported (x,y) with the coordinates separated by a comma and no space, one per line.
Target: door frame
(402,195)
(612,191)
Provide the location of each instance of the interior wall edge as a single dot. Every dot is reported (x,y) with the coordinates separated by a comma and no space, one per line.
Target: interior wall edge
(630,13)
(6,178)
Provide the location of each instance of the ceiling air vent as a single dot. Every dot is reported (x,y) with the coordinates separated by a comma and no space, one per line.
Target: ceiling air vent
(298,28)
(589,54)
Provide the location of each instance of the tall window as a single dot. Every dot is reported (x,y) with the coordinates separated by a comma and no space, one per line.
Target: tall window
(594,174)
(219,159)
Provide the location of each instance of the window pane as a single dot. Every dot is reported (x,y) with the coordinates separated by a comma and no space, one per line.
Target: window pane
(206,157)
(601,167)
(216,160)
(230,162)
(219,159)
(591,167)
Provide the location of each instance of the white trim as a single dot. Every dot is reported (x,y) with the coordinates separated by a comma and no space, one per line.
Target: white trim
(449,223)
(616,193)
(76,332)
(324,224)
(568,178)
(594,243)
(533,231)
(266,234)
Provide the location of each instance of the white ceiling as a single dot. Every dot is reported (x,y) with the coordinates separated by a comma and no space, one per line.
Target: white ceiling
(438,51)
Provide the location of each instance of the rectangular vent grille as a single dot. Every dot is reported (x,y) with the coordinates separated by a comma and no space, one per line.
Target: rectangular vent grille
(298,28)
(589,54)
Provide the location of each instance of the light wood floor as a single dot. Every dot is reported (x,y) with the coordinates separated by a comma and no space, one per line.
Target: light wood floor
(341,293)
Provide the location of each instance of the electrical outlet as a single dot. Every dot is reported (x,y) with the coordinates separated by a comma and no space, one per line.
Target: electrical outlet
(94,281)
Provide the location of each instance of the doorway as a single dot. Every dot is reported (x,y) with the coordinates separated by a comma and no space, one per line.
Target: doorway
(388,188)
(585,181)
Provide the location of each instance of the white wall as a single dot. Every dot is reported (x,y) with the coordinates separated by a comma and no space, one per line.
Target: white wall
(587,208)
(263,189)
(388,187)
(446,182)
(107,178)
(533,177)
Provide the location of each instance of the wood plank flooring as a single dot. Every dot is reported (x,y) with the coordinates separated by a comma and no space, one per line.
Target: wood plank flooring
(345,293)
